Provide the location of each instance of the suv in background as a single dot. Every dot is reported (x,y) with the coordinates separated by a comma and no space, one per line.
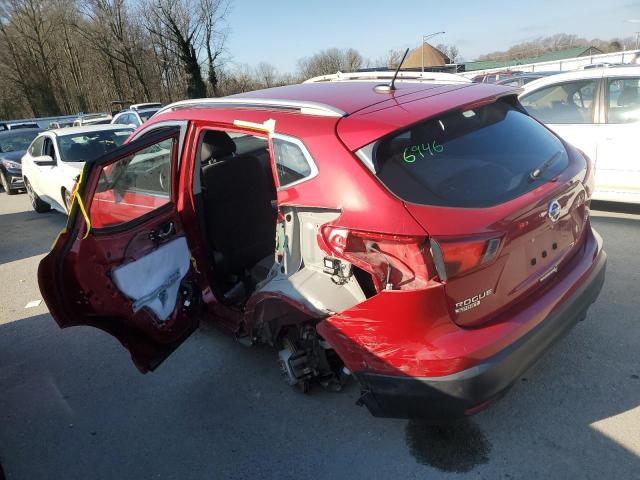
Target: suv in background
(136,114)
(598,111)
(431,239)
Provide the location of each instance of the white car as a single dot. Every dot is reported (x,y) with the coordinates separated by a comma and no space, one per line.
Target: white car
(55,158)
(136,114)
(597,111)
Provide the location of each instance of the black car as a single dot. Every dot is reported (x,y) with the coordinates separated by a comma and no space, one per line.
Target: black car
(13,145)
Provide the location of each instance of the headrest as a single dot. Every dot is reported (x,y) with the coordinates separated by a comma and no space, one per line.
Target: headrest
(216,144)
(629,95)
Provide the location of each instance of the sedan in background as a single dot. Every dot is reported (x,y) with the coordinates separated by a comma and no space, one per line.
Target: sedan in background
(13,145)
(598,111)
(55,158)
(136,114)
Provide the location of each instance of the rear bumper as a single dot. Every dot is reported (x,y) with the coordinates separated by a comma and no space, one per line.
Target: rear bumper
(470,390)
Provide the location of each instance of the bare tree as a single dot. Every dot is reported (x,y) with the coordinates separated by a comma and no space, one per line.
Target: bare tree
(214,13)
(451,52)
(330,61)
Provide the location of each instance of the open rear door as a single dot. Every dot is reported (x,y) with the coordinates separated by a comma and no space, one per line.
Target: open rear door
(123,263)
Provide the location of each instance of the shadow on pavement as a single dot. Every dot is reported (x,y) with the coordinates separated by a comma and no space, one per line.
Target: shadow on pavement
(25,234)
(218,409)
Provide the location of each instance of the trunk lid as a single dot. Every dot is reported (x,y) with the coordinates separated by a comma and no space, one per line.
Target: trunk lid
(532,248)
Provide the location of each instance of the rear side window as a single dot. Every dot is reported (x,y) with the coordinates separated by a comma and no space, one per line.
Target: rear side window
(473,158)
(293,161)
(133,186)
(570,102)
(623,100)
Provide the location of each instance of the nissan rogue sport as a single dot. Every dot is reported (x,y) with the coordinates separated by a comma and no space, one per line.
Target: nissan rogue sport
(429,238)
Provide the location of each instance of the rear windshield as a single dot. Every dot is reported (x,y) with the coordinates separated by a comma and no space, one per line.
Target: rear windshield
(473,158)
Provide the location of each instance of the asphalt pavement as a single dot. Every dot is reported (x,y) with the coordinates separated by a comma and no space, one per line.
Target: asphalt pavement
(73,406)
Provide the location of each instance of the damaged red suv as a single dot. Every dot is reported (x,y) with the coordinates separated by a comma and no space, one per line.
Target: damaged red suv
(431,240)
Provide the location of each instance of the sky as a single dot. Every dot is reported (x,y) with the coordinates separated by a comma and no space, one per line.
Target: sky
(282,31)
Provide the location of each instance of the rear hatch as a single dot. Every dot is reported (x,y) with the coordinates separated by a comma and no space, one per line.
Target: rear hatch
(500,197)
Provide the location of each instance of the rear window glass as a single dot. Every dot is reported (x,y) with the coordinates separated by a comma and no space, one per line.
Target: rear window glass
(473,158)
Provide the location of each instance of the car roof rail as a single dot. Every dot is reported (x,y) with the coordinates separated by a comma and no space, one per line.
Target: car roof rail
(300,106)
(388,75)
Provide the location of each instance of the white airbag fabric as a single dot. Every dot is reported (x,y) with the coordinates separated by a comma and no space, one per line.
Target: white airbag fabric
(153,280)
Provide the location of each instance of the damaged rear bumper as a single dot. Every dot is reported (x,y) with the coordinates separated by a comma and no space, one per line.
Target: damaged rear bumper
(470,390)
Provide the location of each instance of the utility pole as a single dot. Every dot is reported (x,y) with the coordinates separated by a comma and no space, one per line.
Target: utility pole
(424,39)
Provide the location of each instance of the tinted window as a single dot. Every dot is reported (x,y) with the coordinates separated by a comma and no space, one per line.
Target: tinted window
(570,102)
(624,100)
(88,146)
(17,141)
(473,158)
(293,162)
(133,186)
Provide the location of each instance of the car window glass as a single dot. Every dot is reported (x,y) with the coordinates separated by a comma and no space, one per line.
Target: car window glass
(570,102)
(292,162)
(88,146)
(16,141)
(133,186)
(472,159)
(511,83)
(48,148)
(35,150)
(623,100)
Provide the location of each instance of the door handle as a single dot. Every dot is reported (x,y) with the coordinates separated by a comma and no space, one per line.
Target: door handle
(163,233)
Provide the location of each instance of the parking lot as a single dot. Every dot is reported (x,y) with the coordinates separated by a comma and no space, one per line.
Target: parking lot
(72,405)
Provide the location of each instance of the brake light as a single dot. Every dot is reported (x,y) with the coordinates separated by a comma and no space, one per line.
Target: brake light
(455,257)
(394,261)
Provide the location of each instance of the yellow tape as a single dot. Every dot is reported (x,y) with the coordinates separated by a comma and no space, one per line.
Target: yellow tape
(81,205)
(61,232)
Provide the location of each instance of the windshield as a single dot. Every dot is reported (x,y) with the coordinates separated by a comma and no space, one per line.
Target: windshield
(88,146)
(147,114)
(474,158)
(17,141)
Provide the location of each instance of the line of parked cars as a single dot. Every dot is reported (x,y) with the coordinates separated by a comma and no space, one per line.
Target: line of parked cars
(46,163)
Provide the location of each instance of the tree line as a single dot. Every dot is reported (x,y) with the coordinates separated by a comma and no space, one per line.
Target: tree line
(61,57)
(559,41)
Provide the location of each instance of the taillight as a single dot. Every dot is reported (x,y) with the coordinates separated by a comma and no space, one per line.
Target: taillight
(394,261)
(455,257)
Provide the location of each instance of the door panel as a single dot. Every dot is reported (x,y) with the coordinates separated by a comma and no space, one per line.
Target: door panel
(617,164)
(132,278)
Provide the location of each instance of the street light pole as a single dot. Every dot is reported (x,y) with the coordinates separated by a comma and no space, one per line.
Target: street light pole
(424,39)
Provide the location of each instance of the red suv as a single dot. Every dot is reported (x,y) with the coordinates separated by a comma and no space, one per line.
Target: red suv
(431,240)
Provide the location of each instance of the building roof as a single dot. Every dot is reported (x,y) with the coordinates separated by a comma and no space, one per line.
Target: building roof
(432,57)
(545,57)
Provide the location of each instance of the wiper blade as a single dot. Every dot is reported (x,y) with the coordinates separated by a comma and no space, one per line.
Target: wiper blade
(534,174)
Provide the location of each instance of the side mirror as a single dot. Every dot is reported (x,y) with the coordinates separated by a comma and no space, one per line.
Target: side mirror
(44,161)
